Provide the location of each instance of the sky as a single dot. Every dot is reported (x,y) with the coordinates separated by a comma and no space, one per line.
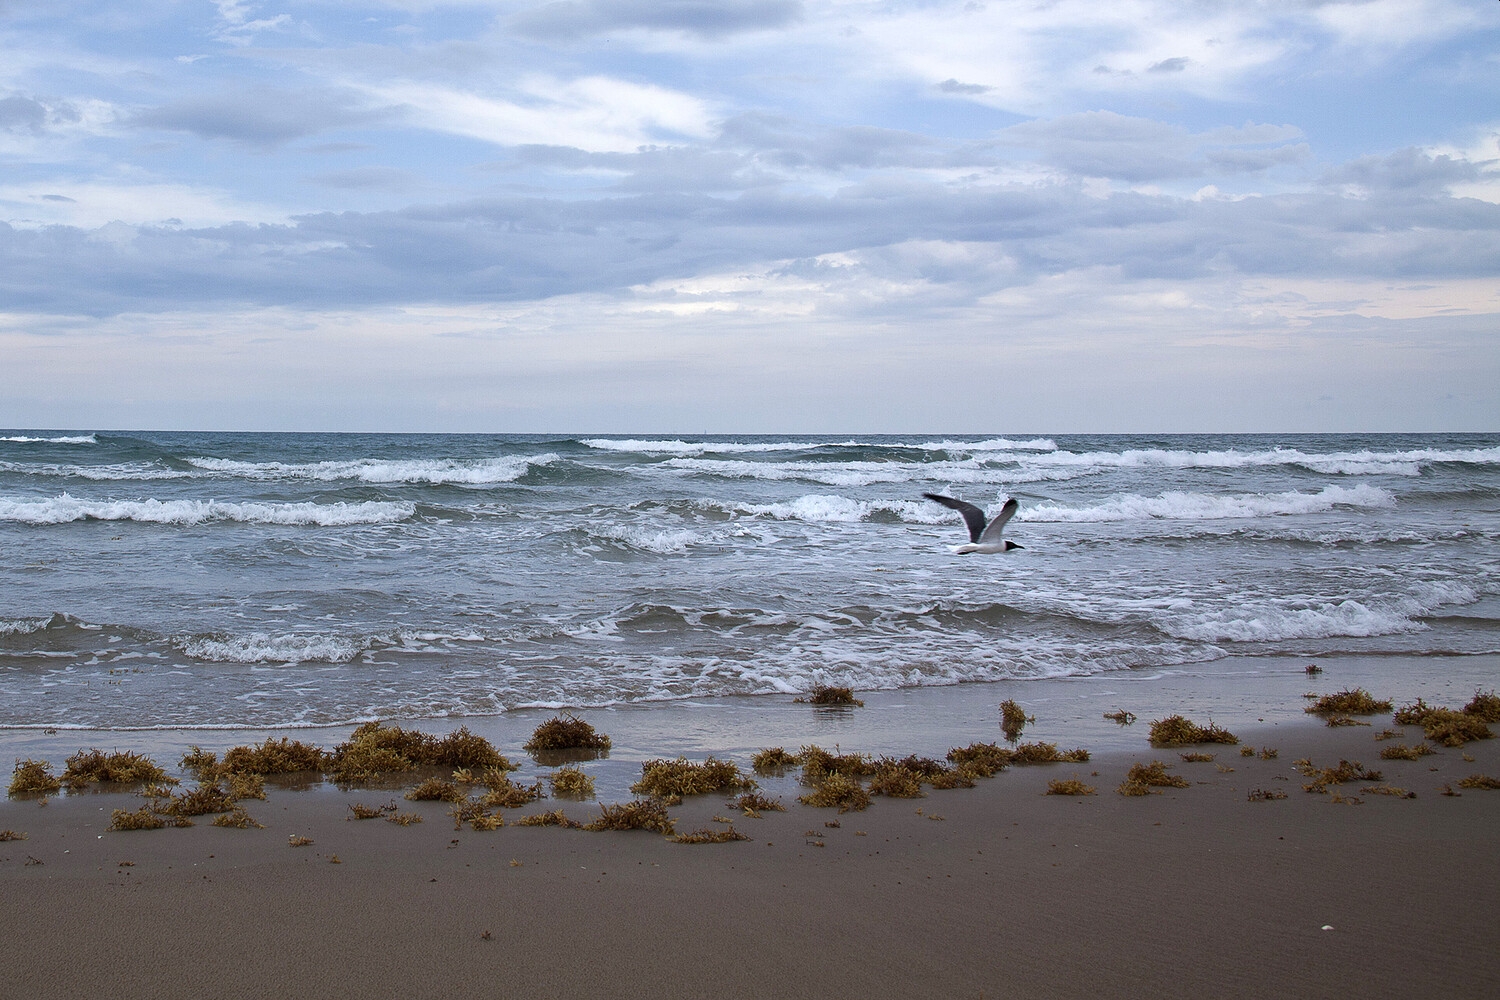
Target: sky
(775,216)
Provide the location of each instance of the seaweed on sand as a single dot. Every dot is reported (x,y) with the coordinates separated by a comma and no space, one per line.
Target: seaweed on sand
(981,759)
(1047,753)
(554,818)
(1122,717)
(6,836)
(33,776)
(237,819)
(1391,790)
(753,804)
(506,794)
(817,763)
(1206,758)
(88,766)
(896,781)
(143,819)
(1413,713)
(1346,771)
(707,836)
(362,811)
(437,790)
(1403,752)
(1484,706)
(1013,719)
(638,814)
(837,791)
(1453,729)
(1356,701)
(835,696)
(571,783)
(281,756)
(675,778)
(1265,795)
(1479,781)
(773,761)
(1141,778)
(566,732)
(1176,731)
(207,798)
(1072,786)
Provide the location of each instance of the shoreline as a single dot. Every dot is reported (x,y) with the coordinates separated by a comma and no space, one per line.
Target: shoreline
(1194,891)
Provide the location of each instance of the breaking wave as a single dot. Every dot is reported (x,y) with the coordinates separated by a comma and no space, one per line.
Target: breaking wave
(65,509)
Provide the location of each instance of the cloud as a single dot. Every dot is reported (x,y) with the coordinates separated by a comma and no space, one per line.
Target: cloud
(264,116)
(32,116)
(710,19)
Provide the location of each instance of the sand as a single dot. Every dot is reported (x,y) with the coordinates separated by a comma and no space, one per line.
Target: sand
(999,890)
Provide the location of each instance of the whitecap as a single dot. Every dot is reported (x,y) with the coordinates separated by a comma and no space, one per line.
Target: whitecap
(1182,506)
(65,509)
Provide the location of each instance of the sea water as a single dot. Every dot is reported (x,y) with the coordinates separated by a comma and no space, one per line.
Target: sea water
(251,581)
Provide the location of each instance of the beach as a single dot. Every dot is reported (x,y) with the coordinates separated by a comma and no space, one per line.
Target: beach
(1202,890)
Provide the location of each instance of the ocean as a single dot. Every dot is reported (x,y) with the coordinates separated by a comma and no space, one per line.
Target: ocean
(179,581)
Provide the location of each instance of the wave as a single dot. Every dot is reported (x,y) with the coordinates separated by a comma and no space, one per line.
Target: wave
(1348,463)
(373,470)
(70,439)
(674,446)
(65,509)
(1260,621)
(853,474)
(1180,506)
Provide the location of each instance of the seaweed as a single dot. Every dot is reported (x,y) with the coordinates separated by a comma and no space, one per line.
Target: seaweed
(6,836)
(207,798)
(1269,753)
(1413,713)
(1356,701)
(1484,706)
(505,794)
(554,818)
(897,782)
(638,814)
(1205,758)
(362,811)
(1312,670)
(1391,790)
(840,791)
(237,819)
(139,819)
(404,819)
(1176,731)
(1047,753)
(33,776)
(1480,781)
(982,759)
(773,761)
(675,778)
(818,763)
(836,696)
(462,748)
(1403,752)
(1072,786)
(1346,771)
(437,790)
(1344,720)
(1141,778)
(571,783)
(374,750)
(1121,718)
(566,732)
(1247,751)
(1265,795)
(486,821)
(952,777)
(126,768)
(753,804)
(281,756)
(297,840)
(1452,729)
(1013,720)
(204,764)
(707,836)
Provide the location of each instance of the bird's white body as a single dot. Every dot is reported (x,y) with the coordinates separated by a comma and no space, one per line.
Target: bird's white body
(984,535)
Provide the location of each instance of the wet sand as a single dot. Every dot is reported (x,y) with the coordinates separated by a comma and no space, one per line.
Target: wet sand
(999,890)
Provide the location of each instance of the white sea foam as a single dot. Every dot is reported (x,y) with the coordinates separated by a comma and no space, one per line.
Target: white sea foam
(854,474)
(1405,463)
(374,470)
(74,439)
(132,471)
(646,539)
(1179,506)
(677,447)
(991,444)
(64,509)
(262,647)
(1270,621)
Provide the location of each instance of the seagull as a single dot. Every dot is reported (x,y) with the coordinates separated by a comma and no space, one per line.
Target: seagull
(982,538)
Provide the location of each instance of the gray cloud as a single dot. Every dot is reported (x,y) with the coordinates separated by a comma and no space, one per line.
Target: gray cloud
(20,114)
(1408,170)
(263,116)
(514,249)
(572,19)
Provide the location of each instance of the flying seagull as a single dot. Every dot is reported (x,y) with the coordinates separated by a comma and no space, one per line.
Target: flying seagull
(982,538)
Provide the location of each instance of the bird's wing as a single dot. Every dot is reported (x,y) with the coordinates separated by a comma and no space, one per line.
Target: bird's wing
(973,516)
(992,533)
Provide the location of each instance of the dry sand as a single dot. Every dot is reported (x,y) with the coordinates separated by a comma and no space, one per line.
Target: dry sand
(1000,890)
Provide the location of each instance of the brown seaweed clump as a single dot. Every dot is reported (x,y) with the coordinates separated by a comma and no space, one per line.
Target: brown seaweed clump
(33,776)
(1177,731)
(571,783)
(981,759)
(834,696)
(281,756)
(774,760)
(1345,772)
(1484,706)
(362,811)
(1072,786)
(1357,701)
(1412,714)
(638,814)
(838,791)
(126,768)
(1121,718)
(1403,752)
(237,819)
(708,836)
(1047,753)
(374,750)
(895,781)
(1013,720)
(141,819)
(668,779)
(1265,795)
(207,798)
(1141,778)
(506,794)
(554,818)
(1390,790)
(1480,781)
(752,804)
(1207,758)
(437,790)
(1453,729)
(566,732)
(6,836)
